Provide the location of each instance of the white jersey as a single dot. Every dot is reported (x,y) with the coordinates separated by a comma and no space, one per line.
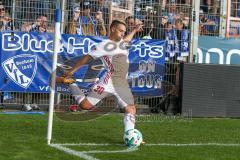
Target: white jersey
(114,56)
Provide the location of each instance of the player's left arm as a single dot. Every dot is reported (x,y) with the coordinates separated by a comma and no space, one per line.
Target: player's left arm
(130,36)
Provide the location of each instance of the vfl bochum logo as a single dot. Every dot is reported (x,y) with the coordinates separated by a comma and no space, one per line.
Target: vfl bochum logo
(21,69)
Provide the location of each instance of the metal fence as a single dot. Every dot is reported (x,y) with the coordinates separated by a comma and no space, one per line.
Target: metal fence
(162,19)
(233,19)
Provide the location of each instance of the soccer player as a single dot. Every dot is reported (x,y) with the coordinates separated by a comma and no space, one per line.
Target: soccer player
(114,55)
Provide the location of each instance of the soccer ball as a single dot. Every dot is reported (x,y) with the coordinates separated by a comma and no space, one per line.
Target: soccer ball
(133,138)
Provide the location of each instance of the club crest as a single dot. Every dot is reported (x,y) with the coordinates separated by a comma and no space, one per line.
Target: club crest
(21,69)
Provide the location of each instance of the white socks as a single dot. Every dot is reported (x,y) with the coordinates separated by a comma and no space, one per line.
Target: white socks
(77,93)
(129,121)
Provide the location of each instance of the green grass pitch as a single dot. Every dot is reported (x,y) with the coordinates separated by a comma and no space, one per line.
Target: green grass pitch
(23,137)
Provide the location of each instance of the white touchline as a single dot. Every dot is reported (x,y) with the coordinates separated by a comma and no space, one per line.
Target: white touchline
(195,144)
(153,144)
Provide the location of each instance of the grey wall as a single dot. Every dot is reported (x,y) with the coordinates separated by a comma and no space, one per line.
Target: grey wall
(211,90)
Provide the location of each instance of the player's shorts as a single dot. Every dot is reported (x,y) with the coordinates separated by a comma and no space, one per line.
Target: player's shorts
(122,93)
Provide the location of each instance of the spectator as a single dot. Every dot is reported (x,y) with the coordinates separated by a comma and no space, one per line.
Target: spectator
(152,24)
(72,26)
(171,41)
(184,19)
(131,23)
(171,11)
(100,28)
(39,26)
(149,23)
(205,5)
(100,6)
(182,47)
(183,37)
(5,20)
(164,2)
(83,23)
(164,21)
(177,49)
(177,41)
(139,11)
(206,26)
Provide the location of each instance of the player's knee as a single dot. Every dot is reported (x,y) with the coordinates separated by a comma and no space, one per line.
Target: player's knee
(130,109)
(86,105)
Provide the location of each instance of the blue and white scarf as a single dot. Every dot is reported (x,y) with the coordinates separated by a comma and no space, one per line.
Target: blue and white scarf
(171,41)
(185,38)
(175,47)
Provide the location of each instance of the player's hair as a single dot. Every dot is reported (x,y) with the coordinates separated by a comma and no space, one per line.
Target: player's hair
(117,22)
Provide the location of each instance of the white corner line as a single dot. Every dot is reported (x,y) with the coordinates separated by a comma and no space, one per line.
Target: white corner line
(73,152)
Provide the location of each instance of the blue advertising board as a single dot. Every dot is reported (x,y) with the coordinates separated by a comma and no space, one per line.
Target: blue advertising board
(26,60)
(215,50)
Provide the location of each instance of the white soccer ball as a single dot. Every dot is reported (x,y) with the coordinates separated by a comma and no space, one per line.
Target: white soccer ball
(133,138)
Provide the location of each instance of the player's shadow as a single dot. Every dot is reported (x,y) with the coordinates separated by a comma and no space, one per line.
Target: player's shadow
(64,112)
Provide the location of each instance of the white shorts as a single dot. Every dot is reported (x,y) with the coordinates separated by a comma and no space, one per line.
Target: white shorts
(100,91)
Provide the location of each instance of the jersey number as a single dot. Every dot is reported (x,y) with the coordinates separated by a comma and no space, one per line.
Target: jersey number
(98,89)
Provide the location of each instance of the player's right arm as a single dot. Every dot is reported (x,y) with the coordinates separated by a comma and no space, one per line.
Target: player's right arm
(130,36)
(86,59)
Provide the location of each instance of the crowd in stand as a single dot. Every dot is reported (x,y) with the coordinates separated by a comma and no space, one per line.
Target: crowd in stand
(92,18)
(95,14)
